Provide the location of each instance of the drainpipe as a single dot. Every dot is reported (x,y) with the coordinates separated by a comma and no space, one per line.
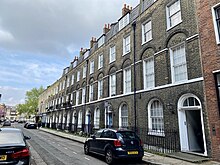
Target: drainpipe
(134,55)
(87,64)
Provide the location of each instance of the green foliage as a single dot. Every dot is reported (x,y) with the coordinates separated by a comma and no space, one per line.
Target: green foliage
(31,102)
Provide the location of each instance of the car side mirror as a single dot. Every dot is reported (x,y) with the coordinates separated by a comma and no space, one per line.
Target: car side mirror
(27,137)
(93,136)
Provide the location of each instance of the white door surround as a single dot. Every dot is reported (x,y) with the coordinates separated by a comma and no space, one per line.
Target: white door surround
(191,125)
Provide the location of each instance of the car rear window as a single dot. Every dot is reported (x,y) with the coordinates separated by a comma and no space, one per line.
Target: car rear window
(126,135)
(10,138)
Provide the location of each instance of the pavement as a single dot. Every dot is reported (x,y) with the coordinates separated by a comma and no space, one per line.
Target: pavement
(150,158)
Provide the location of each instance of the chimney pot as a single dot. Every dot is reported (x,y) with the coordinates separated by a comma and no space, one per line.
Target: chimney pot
(126,9)
(93,40)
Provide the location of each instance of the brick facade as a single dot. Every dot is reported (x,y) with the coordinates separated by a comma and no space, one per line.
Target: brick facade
(210,61)
(166,91)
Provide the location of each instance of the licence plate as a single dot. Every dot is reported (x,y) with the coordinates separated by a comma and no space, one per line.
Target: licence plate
(3,157)
(132,152)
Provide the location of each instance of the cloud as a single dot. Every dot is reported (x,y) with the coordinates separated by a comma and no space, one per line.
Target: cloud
(50,27)
(12,96)
(40,38)
(5,36)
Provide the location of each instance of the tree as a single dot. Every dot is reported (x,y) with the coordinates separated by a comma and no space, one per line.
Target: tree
(31,102)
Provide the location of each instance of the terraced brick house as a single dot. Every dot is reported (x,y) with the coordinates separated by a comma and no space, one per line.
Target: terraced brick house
(209,30)
(143,73)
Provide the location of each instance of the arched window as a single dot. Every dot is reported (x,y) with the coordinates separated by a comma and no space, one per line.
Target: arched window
(191,101)
(96,117)
(155,116)
(123,116)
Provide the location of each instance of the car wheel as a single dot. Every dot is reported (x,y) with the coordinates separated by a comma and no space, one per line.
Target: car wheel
(86,148)
(109,156)
(139,159)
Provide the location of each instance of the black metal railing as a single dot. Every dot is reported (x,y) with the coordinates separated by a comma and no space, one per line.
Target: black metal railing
(164,141)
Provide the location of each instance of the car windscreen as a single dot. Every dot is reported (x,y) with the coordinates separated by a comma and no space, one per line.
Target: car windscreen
(9,138)
(126,135)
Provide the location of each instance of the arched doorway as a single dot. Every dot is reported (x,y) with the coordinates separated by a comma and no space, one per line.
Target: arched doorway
(74,122)
(191,125)
(108,116)
(68,121)
(88,121)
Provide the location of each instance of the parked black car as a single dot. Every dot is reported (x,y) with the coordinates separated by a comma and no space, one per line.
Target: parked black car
(7,123)
(13,147)
(115,144)
(31,125)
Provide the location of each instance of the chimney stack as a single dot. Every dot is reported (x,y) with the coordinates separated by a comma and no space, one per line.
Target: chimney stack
(126,9)
(81,52)
(92,41)
(106,28)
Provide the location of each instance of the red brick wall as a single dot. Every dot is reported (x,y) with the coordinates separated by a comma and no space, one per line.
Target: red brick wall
(210,53)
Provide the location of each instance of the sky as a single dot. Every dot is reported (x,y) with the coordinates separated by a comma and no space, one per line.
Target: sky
(39,38)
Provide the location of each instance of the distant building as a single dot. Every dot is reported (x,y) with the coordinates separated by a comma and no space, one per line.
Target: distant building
(11,113)
(2,111)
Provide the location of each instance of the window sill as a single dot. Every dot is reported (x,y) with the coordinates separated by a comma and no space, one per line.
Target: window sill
(124,54)
(157,133)
(143,43)
(169,28)
(111,62)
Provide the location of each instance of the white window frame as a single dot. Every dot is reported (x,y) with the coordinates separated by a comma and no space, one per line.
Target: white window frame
(216,22)
(123,120)
(124,21)
(112,54)
(72,79)
(77,97)
(91,92)
(112,85)
(174,4)
(83,95)
(97,118)
(147,32)
(126,45)
(92,67)
(175,66)
(127,80)
(78,76)
(157,116)
(79,125)
(100,88)
(60,86)
(84,71)
(68,81)
(100,61)
(71,97)
(149,73)
(101,41)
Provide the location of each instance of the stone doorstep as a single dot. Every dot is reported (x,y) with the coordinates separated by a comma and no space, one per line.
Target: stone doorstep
(188,157)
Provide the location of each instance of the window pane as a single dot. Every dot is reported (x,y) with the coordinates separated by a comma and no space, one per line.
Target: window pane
(174,12)
(179,63)
(156,115)
(149,73)
(217,13)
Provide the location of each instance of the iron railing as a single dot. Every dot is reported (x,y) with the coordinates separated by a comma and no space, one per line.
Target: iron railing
(164,141)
